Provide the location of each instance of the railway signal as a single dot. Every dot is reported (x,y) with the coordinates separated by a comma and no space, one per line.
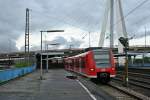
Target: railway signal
(125,43)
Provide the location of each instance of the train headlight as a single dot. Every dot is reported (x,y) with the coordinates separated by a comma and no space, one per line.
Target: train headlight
(91,69)
(112,68)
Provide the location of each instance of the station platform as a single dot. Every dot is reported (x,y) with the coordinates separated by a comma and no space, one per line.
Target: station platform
(54,86)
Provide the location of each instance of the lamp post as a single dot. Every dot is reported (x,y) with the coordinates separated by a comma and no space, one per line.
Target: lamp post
(47,54)
(124,42)
(41,67)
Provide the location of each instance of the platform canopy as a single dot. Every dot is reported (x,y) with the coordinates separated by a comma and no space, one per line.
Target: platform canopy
(53,53)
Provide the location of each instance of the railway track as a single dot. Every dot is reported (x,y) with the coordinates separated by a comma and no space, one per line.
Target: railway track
(128,91)
(113,89)
(137,77)
(108,91)
(121,92)
(136,70)
(137,81)
(136,74)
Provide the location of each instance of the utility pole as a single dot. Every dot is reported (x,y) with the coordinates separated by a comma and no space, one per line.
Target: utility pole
(47,58)
(89,40)
(70,46)
(27,36)
(27,32)
(145,36)
(9,51)
(9,45)
(144,47)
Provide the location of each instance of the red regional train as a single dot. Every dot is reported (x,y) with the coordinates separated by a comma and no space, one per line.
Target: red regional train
(95,63)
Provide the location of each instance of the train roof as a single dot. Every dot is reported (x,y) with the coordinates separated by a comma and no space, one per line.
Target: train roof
(95,48)
(84,51)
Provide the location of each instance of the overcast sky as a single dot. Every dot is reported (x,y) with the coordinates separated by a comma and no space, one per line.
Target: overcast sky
(76,17)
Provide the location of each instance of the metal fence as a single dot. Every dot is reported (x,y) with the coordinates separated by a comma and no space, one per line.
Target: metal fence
(6,75)
(19,62)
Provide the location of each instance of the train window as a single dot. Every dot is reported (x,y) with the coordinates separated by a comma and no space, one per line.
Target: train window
(77,62)
(82,63)
(101,58)
(72,62)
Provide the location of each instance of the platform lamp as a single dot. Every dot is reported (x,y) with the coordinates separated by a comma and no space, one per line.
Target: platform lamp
(125,43)
(48,31)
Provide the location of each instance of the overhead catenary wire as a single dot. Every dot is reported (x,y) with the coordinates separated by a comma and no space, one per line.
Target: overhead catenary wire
(139,22)
(131,11)
(62,20)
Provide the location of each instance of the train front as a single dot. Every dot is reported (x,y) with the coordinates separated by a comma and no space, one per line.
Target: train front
(104,64)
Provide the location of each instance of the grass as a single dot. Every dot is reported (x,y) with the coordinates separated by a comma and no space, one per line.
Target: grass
(22,64)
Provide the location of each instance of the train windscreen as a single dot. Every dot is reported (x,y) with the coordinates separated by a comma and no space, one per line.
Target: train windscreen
(101,58)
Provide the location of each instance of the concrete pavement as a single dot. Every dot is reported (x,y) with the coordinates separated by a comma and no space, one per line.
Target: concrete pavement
(54,86)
